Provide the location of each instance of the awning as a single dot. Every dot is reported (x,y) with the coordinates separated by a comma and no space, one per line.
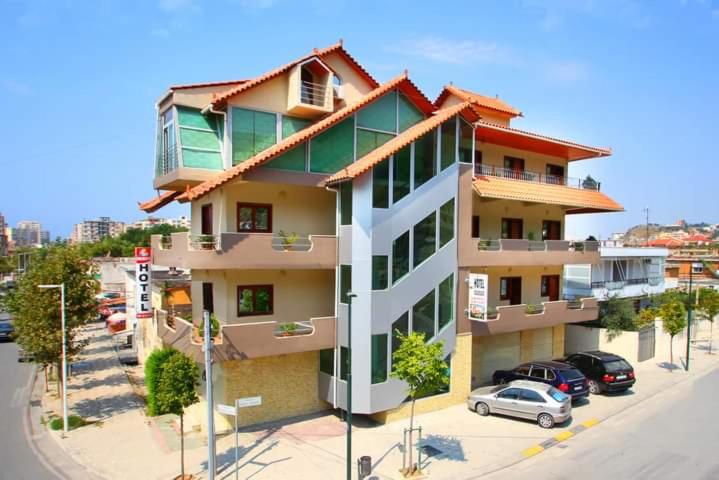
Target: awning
(578,199)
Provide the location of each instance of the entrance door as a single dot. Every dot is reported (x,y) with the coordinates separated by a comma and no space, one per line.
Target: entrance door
(555,174)
(208,301)
(551,230)
(512,228)
(206,225)
(550,287)
(514,167)
(510,288)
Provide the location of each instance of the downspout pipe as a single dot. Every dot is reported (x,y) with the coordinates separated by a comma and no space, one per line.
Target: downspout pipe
(209,109)
(337,330)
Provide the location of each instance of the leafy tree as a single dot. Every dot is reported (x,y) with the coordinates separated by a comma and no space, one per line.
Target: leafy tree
(617,315)
(6,265)
(709,309)
(37,311)
(646,318)
(422,367)
(153,366)
(674,317)
(179,377)
(124,244)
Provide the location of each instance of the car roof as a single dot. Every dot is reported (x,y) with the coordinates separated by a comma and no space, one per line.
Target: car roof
(551,364)
(602,355)
(530,384)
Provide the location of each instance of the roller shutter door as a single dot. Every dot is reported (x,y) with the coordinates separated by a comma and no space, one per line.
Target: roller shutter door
(498,352)
(542,344)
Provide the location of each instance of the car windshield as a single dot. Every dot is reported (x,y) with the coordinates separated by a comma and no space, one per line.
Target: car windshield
(498,388)
(572,374)
(617,365)
(557,395)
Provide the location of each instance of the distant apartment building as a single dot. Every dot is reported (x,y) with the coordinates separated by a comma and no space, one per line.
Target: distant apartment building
(314,181)
(3,237)
(149,222)
(95,230)
(27,233)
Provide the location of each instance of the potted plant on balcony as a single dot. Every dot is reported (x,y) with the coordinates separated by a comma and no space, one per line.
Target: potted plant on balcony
(492,313)
(288,329)
(206,242)
(589,183)
(288,239)
(485,243)
(530,236)
(199,331)
(165,242)
(532,309)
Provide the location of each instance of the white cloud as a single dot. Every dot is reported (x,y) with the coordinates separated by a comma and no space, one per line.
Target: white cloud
(16,88)
(458,52)
(565,72)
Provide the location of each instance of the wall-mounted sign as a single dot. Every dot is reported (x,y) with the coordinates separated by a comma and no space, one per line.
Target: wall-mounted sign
(478,286)
(143,282)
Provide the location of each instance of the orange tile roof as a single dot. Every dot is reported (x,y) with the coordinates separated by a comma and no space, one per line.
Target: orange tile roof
(481,100)
(221,99)
(207,84)
(400,141)
(158,202)
(401,82)
(581,200)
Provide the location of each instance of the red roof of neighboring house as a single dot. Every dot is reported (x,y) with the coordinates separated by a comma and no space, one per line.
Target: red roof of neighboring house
(698,237)
(664,242)
(481,100)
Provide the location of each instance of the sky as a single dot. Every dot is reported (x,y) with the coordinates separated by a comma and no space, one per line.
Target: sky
(79,81)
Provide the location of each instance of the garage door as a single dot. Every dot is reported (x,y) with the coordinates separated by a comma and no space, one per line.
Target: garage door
(542,348)
(497,352)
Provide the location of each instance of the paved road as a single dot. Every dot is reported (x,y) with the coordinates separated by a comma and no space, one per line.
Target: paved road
(17,460)
(671,436)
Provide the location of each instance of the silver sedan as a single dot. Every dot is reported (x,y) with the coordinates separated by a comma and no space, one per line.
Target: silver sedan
(525,399)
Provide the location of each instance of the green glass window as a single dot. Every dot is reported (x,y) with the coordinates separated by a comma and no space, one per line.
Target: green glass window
(346,203)
(368,140)
(380,114)
(332,150)
(380,185)
(192,117)
(379,358)
(327,360)
(293,159)
(446,223)
(200,139)
(449,147)
(408,114)
(379,272)
(400,257)
(446,303)
(401,325)
(254,300)
(465,142)
(252,132)
(425,158)
(425,236)
(344,363)
(291,125)
(345,282)
(400,176)
(423,316)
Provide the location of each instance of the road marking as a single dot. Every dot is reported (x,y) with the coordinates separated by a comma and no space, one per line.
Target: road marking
(590,423)
(563,436)
(532,451)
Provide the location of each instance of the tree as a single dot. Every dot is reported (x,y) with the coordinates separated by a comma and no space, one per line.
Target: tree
(36,311)
(617,315)
(422,367)
(709,309)
(178,379)
(674,318)
(153,367)
(646,318)
(124,244)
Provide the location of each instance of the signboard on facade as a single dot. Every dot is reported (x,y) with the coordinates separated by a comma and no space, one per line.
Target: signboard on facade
(478,286)
(143,282)
(249,402)
(226,409)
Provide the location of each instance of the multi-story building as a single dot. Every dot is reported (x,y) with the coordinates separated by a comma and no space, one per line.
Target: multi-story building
(95,230)
(179,222)
(27,233)
(313,181)
(3,237)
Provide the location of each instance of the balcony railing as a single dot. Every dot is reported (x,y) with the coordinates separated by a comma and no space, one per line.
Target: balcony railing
(619,284)
(313,93)
(528,176)
(522,245)
(167,160)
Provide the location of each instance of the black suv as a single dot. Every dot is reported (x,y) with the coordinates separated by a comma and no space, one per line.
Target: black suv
(562,376)
(606,372)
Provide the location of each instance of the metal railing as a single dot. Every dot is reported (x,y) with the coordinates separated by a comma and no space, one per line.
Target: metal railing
(204,242)
(529,176)
(655,281)
(619,284)
(278,242)
(291,243)
(313,93)
(167,160)
(536,245)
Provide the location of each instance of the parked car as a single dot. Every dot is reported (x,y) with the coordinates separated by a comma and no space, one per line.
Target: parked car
(524,399)
(562,376)
(6,330)
(606,372)
(107,296)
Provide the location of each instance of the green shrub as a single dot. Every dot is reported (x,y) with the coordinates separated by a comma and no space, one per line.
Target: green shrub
(153,365)
(73,422)
(214,327)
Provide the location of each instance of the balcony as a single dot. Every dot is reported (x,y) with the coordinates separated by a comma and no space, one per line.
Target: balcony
(245,250)
(310,89)
(628,288)
(535,177)
(514,318)
(248,340)
(518,252)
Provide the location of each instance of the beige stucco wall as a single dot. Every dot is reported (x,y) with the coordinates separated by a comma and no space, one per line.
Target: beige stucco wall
(531,282)
(491,213)
(534,162)
(298,294)
(353,85)
(299,209)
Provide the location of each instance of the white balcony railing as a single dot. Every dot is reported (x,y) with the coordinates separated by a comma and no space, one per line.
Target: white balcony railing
(529,176)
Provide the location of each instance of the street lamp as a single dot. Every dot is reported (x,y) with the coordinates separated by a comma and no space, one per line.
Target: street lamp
(689,310)
(350,296)
(64,354)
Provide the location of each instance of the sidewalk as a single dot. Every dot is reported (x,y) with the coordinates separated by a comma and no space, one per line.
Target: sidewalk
(129,445)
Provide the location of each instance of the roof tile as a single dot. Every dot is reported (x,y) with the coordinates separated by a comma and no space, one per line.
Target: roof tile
(481,100)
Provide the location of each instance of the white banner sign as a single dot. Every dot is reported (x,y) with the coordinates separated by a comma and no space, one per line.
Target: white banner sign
(226,409)
(249,402)
(478,286)
(143,282)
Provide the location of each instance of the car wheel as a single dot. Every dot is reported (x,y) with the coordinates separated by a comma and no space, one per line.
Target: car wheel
(545,420)
(594,387)
(482,409)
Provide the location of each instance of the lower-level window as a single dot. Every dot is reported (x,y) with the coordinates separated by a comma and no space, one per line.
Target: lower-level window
(254,300)
(379,358)
(327,360)
(344,363)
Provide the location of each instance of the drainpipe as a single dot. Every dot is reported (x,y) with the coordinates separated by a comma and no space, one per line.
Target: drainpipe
(209,109)
(337,262)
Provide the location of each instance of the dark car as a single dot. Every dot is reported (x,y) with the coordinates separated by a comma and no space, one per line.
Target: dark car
(562,376)
(6,330)
(606,372)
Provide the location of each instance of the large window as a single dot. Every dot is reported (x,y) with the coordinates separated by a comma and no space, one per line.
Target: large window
(446,305)
(379,272)
(465,142)
(252,132)
(344,363)
(368,140)
(346,203)
(380,114)
(446,223)
(425,238)
(379,358)
(254,300)
(380,185)
(408,114)
(345,282)
(401,175)
(333,149)
(512,228)
(254,217)
(292,125)
(327,360)
(423,316)
(425,158)
(400,325)
(400,257)
(449,146)
(294,159)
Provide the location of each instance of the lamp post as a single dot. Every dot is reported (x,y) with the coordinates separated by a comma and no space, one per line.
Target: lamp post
(689,312)
(350,296)
(64,353)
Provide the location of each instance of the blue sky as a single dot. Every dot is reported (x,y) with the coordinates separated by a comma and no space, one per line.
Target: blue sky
(79,81)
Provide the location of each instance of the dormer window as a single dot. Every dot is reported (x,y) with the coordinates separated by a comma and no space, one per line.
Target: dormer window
(311,88)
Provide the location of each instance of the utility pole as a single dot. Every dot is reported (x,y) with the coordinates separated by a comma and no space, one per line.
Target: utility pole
(689,314)
(210,406)
(646,212)
(350,296)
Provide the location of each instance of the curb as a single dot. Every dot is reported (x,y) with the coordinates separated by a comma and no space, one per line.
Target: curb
(558,438)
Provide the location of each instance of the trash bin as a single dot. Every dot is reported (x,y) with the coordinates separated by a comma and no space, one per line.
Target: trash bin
(364,465)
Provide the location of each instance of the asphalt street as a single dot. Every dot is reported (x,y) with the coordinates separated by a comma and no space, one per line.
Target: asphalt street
(671,436)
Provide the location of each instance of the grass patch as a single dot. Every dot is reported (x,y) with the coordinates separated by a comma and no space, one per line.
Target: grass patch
(73,422)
